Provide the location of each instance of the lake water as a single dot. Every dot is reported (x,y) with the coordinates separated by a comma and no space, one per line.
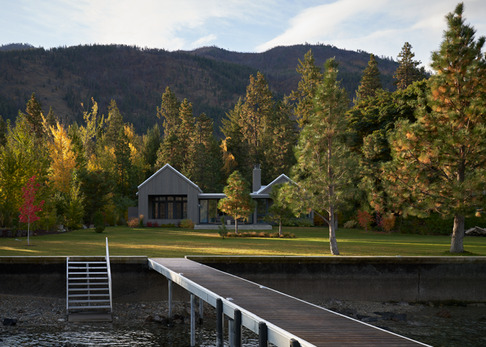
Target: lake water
(105,334)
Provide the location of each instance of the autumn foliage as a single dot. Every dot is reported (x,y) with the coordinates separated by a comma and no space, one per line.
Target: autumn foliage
(29,209)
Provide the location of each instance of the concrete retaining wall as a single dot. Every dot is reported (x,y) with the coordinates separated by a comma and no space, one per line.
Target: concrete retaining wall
(132,280)
(310,278)
(411,279)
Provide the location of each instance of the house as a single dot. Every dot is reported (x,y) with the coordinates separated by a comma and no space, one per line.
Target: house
(169,197)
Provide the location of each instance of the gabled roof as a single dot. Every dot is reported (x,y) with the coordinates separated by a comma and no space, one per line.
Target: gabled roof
(168,167)
(266,189)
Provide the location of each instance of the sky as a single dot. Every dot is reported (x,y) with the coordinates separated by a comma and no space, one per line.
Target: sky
(380,27)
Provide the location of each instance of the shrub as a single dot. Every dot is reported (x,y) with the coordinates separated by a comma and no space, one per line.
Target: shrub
(365,219)
(155,224)
(140,221)
(99,221)
(149,224)
(387,223)
(350,224)
(133,223)
(223,231)
(187,223)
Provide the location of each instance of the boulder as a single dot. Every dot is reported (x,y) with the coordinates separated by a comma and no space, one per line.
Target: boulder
(9,322)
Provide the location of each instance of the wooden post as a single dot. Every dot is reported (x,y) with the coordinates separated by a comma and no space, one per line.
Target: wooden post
(193,320)
(219,323)
(170,297)
(262,334)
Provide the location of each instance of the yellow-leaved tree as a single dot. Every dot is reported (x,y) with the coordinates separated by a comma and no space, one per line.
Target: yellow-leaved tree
(63,159)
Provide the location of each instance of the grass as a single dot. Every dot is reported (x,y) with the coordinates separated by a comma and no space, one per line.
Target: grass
(178,242)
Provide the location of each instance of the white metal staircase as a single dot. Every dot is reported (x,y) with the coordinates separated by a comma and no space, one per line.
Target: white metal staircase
(88,284)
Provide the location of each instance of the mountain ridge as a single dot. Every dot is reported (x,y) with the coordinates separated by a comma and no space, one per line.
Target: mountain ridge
(212,78)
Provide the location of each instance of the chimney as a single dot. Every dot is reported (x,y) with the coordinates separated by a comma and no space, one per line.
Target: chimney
(257,177)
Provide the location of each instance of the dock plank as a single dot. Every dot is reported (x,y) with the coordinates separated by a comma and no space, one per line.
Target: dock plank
(313,324)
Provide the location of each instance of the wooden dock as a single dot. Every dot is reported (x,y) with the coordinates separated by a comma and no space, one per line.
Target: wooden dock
(289,320)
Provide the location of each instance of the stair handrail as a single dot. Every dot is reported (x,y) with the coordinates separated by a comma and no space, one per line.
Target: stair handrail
(67,285)
(108,268)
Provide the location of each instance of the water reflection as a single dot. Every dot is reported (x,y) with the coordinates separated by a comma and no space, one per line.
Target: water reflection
(111,335)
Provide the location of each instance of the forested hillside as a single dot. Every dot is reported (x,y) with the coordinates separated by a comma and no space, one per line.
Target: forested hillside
(211,78)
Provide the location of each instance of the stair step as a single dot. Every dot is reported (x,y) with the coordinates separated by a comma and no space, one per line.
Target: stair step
(85,307)
(86,267)
(87,262)
(86,295)
(86,289)
(88,278)
(90,301)
(90,273)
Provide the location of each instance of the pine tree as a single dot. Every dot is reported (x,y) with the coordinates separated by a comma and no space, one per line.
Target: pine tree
(51,118)
(407,72)
(3,132)
(234,148)
(169,111)
(324,170)
(255,117)
(311,78)
(114,125)
(237,202)
(200,164)
(370,82)
(33,115)
(151,144)
(439,160)
(281,138)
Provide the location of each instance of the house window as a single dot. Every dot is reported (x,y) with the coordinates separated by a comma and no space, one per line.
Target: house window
(262,210)
(209,212)
(168,206)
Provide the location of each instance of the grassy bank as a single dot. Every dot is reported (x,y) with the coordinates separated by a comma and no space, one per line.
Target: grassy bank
(178,242)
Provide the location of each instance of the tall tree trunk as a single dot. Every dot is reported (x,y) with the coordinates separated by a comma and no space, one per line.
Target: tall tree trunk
(236,226)
(457,234)
(280,228)
(332,233)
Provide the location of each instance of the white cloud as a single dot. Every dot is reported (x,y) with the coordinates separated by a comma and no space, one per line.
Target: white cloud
(204,40)
(380,27)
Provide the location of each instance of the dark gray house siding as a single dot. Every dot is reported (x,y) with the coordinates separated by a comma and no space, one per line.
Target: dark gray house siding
(168,197)
(168,183)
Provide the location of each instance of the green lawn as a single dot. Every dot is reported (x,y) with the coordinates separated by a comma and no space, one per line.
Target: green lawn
(178,242)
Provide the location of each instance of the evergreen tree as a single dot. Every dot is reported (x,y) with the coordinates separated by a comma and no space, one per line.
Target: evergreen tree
(324,170)
(3,132)
(33,115)
(201,166)
(114,124)
(311,78)
(174,147)
(234,148)
(51,118)
(407,72)
(438,162)
(169,112)
(123,165)
(255,116)
(370,82)
(151,144)
(237,202)
(281,137)
(185,133)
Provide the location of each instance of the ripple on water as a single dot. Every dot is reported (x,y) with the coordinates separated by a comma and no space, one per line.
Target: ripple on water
(81,335)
